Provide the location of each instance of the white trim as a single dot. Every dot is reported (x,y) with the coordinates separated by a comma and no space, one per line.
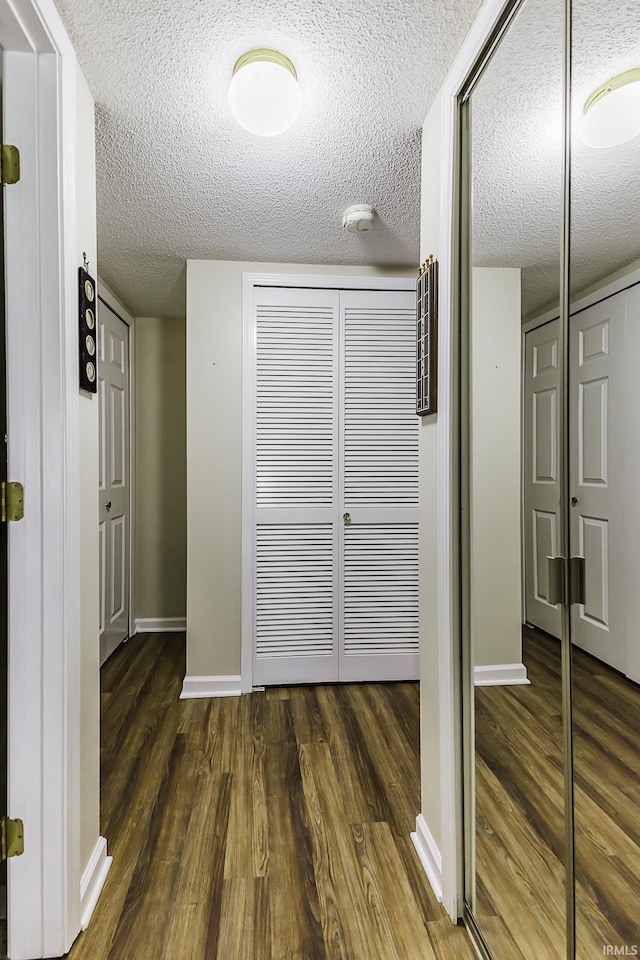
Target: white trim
(194,687)
(93,880)
(114,303)
(248,521)
(160,625)
(500,675)
(540,321)
(326,282)
(452,847)
(429,855)
(249,282)
(605,288)
(43,427)
(601,291)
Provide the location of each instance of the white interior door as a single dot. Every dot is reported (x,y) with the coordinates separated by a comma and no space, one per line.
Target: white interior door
(631,468)
(296,474)
(335,434)
(597,417)
(542,460)
(379,486)
(113,397)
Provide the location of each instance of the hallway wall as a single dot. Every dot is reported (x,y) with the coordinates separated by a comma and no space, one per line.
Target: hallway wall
(88,427)
(428,531)
(214,445)
(496,482)
(160,524)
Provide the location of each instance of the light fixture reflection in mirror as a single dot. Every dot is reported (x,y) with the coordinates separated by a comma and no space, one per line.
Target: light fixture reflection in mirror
(264,95)
(612,112)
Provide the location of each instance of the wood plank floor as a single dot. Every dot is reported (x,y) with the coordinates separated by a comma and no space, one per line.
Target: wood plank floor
(520,848)
(273,826)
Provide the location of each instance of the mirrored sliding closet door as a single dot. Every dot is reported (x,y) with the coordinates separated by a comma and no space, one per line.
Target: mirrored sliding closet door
(550,466)
(604,466)
(516,876)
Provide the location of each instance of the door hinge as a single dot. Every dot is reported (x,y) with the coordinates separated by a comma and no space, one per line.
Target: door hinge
(10,168)
(11,502)
(11,838)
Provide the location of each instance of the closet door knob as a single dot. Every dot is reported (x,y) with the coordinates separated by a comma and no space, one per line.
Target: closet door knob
(107,505)
(347,519)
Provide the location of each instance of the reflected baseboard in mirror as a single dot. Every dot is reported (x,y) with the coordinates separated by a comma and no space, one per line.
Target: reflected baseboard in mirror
(520,832)
(519,808)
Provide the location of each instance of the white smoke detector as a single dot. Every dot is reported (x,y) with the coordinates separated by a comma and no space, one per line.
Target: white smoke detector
(358,218)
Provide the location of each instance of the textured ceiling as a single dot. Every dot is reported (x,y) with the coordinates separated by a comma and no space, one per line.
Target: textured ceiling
(517,144)
(177,177)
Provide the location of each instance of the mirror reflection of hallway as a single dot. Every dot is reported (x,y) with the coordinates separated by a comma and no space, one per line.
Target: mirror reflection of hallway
(516,876)
(517,863)
(605,517)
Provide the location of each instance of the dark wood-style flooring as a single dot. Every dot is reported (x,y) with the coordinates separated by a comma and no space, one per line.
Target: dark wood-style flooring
(273,826)
(520,842)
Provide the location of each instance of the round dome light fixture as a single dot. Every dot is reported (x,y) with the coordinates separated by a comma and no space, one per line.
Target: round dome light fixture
(358,218)
(264,95)
(612,112)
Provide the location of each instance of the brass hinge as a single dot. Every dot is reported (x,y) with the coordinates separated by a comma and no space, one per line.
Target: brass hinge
(11,838)
(10,157)
(11,502)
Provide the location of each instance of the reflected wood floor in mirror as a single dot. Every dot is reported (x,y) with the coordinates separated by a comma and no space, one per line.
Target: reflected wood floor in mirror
(273,826)
(520,892)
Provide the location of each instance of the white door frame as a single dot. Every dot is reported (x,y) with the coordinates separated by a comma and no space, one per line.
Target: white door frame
(250,281)
(105,294)
(43,418)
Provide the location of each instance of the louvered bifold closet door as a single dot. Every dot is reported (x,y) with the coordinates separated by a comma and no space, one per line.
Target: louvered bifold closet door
(296,483)
(379,487)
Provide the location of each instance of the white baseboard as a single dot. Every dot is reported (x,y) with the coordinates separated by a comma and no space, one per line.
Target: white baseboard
(161,625)
(228,686)
(93,879)
(500,675)
(430,856)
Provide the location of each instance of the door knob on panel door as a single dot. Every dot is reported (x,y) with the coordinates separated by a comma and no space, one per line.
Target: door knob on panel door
(574,500)
(347,519)
(107,505)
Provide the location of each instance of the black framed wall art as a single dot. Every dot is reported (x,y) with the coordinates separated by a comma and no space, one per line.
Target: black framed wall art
(87,310)
(427,339)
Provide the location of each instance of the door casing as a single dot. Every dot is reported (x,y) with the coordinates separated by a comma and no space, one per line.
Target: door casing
(44,899)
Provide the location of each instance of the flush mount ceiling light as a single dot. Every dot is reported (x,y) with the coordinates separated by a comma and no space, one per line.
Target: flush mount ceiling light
(264,95)
(612,112)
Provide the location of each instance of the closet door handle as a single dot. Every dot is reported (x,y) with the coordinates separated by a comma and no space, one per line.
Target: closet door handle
(347,519)
(107,506)
(555,573)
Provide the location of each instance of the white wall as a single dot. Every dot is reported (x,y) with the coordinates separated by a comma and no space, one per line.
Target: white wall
(160,517)
(495,489)
(428,527)
(214,443)
(89,571)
